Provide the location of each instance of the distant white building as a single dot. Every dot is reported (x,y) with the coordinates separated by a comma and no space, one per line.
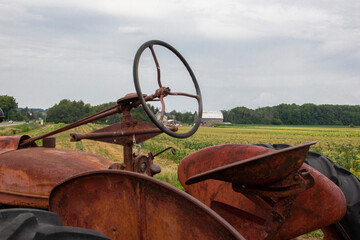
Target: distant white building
(173,122)
(165,119)
(211,117)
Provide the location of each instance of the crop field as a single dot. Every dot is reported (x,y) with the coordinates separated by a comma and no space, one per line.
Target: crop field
(340,144)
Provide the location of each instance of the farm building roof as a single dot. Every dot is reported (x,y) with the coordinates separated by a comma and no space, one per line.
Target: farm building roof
(212,114)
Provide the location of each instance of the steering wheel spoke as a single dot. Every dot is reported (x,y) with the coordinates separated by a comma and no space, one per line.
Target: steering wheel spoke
(162,108)
(184,94)
(157,65)
(162,91)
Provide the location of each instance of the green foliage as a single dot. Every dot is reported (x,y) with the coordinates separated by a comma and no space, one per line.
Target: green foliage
(240,115)
(284,114)
(292,114)
(10,108)
(136,113)
(184,118)
(18,129)
(171,178)
(79,146)
(276,121)
(1,115)
(140,114)
(109,120)
(67,111)
(317,234)
(31,114)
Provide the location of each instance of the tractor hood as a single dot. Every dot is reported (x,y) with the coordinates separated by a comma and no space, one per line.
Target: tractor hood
(28,175)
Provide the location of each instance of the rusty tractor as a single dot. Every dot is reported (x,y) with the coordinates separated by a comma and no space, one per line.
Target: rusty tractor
(233,191)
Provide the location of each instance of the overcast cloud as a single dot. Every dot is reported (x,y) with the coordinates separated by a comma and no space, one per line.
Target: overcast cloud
(243,53)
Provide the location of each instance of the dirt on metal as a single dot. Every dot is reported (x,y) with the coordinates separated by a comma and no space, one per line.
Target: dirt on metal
(29,174)
(128,205)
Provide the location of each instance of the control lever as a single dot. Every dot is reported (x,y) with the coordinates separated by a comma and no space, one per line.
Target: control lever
(173,151)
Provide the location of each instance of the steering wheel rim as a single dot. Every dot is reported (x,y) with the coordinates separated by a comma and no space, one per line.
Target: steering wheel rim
(160,125)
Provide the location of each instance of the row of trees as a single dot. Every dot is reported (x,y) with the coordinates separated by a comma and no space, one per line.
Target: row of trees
(292,114)
(184,118)
(67,111)
(11,111)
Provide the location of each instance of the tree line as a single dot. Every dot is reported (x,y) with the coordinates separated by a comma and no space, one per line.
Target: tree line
(289,114)
(11,111)
(68,111)
(293,114)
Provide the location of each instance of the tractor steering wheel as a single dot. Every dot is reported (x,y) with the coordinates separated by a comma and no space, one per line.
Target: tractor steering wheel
(162,91)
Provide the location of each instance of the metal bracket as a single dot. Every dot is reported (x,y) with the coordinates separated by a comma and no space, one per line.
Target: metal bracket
(136,147)
(277,198)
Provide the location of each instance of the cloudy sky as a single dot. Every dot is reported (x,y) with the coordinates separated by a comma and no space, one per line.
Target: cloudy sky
(243,53)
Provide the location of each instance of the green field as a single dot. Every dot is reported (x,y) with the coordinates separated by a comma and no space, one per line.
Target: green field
(340,144)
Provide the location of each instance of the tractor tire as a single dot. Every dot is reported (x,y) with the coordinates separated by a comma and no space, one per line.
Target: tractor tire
(34,224)
(349,226)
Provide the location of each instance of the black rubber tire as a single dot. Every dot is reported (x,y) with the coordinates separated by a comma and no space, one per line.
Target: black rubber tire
(349,226)
(35,224)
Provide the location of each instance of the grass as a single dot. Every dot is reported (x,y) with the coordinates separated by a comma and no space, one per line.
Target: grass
(17,129)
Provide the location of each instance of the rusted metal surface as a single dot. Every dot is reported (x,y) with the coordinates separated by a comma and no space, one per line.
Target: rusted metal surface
(277,199)
(211,158)
(128,132)
(295,183)
(144,164)
(28,175)
(49,142)
(320,206)
(249,217)
(10,143)
(123,132)
(261,169)
(127,205)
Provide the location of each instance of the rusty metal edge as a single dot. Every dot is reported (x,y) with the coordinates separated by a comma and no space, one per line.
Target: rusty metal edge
(13,143)
(169,187)
(198,177)
(24,194)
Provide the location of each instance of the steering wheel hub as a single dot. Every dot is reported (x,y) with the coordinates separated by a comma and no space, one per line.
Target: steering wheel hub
(162,92)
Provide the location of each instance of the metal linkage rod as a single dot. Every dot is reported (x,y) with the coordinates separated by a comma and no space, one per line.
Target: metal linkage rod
(107,112)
